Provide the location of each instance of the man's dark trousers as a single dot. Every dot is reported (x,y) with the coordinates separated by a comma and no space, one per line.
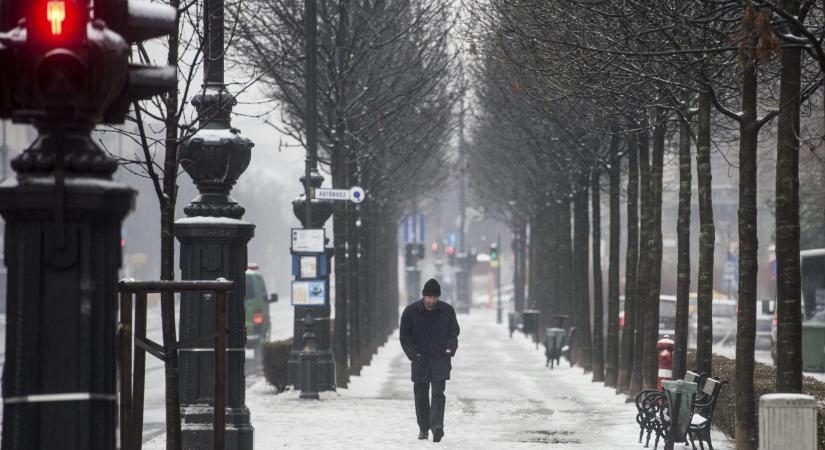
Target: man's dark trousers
(429,415)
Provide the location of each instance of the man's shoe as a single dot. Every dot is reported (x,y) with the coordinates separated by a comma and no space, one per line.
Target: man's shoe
(438,433)
(422,435)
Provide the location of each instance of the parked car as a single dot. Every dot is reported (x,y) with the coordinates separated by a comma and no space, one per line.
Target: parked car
(764,331)
(667,314)
(724,321)
(256,307)
(693,300)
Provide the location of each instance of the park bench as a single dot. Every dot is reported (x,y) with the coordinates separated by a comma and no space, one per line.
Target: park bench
(651,404)
(703,409)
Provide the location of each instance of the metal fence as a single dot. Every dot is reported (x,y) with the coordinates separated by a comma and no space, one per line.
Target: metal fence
(133,373)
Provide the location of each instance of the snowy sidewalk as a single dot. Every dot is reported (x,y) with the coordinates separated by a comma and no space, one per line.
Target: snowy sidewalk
(500,396)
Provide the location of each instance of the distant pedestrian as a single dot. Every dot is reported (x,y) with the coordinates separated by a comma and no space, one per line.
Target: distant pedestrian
(429,337)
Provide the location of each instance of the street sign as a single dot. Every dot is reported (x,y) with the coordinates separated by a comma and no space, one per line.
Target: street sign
(309,293)
(414,228)
(308,240)
(331,194)
(355,194)
(309,267)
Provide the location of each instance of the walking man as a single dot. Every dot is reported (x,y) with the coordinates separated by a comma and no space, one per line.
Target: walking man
(429,337)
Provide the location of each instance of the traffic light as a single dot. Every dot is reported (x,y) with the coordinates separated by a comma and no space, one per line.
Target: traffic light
(434,247)
(493,254)
(71,61)
(409,255)
(451,255)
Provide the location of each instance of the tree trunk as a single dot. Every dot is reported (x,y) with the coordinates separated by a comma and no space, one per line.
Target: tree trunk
(683,245)
(167,239)
(650,371)
(564,260)
(612,360)
(544,255)
(748,265)
(788,301)
(519,278)
(340,180)
(643,274)
(707,236)
(598,296)
(628,337)
(532,263)
(581,236)
(354,292)
(341,262)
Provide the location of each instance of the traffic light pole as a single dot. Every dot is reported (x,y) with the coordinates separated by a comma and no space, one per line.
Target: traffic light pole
(498,282)
(62,238)
(64,73)
(463,276)
(213,244)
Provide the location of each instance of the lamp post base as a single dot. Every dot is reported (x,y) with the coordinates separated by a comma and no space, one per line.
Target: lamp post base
(197,428)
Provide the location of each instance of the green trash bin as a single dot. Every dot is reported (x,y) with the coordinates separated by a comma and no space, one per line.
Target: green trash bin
(813,345)
(680,396)
(530,324)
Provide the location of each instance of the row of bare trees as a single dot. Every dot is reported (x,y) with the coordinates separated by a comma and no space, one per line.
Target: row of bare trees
(385,106)
(573,96)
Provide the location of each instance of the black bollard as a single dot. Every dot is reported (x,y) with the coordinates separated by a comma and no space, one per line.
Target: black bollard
(309,361)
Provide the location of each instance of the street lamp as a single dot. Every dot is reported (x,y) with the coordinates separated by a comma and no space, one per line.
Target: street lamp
(213,243)
(310,288)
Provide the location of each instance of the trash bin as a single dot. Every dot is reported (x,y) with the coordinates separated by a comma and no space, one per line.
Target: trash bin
(530,320)
(512,321)
(530,323)
(813,345)
(680,396)
(787,421)
(555,337)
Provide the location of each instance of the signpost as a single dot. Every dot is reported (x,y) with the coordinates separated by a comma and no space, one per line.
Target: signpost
(354,194)
(307,240)
(311,265)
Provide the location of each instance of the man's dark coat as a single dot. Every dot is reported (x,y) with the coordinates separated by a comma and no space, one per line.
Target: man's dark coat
(426,336)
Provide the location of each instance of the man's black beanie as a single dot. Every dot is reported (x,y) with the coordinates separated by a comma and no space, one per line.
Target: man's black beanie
(431,288)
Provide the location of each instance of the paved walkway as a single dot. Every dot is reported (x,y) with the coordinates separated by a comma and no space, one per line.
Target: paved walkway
(501,396)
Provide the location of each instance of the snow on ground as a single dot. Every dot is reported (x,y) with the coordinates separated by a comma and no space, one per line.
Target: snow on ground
(501,396)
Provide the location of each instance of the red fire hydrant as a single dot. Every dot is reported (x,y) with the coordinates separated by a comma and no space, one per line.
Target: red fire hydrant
(665,348)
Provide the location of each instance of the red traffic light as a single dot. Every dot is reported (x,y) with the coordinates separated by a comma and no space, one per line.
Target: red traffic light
(56,15)
(451,250)
(434,247)
(58,22)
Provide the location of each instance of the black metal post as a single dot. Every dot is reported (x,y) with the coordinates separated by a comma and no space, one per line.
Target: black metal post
(498,281)
(312,213)
(125,355)
(62,249)
(311,94)
(139,368)
(213,241)
(309,361)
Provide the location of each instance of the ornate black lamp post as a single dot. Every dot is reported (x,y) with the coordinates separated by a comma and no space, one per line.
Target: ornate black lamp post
(213,241)
(312,214)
